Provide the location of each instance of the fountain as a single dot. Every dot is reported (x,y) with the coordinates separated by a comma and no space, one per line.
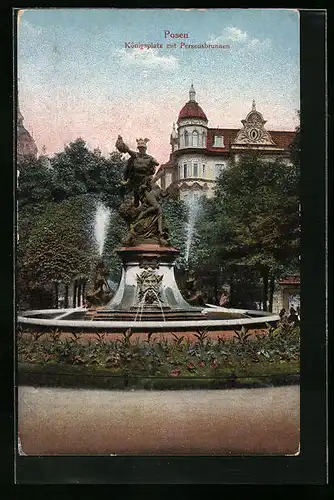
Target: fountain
(147,297)
(194,206)
(102,219)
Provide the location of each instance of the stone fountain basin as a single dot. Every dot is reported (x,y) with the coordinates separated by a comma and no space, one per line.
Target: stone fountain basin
(214,318)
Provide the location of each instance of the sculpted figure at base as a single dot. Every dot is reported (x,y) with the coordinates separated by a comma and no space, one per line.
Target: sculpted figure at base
(149,284)
(100,293)
(191,292)
(143,211)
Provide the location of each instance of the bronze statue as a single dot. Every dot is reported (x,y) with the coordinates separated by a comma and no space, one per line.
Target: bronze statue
(100,293)
(143,213)
(140,167)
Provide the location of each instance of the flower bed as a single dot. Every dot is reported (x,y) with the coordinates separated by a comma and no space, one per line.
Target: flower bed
(267,358)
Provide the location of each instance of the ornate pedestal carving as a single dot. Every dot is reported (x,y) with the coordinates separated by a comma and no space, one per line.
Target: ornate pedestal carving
(147,290)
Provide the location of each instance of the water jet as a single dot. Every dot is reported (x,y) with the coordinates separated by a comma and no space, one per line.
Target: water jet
(147,297)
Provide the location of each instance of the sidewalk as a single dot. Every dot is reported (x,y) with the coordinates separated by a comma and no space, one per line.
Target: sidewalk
(208,422)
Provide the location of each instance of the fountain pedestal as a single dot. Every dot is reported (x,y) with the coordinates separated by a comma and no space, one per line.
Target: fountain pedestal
(147,290)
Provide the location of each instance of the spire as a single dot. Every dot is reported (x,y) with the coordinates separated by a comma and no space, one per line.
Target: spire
(192,93)
(253,105)
(174,133)
(19,116)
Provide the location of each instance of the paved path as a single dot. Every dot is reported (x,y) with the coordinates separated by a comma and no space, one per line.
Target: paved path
(208,422)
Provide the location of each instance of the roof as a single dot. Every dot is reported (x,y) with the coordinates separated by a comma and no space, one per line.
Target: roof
(290,280)
(192,110)
(282,138)
(229,135)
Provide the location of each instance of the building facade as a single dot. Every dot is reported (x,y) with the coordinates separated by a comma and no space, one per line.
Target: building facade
(25,144)
(199,153)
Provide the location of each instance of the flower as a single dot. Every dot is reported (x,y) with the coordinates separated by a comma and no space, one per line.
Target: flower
(191,366)
(214,363)
(175,373)
(201,364)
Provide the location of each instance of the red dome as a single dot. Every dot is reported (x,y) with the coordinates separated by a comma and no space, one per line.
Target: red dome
(192,110)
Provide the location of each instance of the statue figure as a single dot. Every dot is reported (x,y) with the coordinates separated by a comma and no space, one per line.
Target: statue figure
(100,293)
(146,222)
(140,167)
(143,213)
(192,295)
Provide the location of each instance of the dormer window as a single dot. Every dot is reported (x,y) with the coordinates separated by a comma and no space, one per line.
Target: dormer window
(218,141)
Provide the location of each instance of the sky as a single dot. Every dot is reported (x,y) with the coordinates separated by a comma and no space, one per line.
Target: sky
(77,77)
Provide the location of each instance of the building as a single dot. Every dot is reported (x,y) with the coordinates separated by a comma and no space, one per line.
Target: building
(287,294)
(199,153)
(24,142)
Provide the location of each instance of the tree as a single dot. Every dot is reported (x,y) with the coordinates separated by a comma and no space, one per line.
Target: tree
(116,232)
(35,183)
(60,247)
(295,146)
(175,213)
(257,221)
(81,171)
(76,174)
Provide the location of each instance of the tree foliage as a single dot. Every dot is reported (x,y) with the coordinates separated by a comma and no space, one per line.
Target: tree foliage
(175,213)
(252,220)
(56,210)
(258,201)
(60,247)
(81,171)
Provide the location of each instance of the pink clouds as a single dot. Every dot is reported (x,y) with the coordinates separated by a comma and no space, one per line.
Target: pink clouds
(53,127)
(64,118)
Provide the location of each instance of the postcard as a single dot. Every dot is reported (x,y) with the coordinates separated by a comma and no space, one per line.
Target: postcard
(158,242)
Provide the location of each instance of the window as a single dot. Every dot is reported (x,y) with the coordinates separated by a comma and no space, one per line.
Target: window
(203,169)
(186,139)
(180,171)
(218,168)
(195,139)
(168,179)
(195,170)
(185,171)
(203,139)
(218,141)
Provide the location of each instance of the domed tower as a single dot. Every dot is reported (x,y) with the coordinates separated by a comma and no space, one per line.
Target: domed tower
(190,155)
(192,124)
(174,139)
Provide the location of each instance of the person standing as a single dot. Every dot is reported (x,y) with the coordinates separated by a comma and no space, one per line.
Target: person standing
(223,301)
